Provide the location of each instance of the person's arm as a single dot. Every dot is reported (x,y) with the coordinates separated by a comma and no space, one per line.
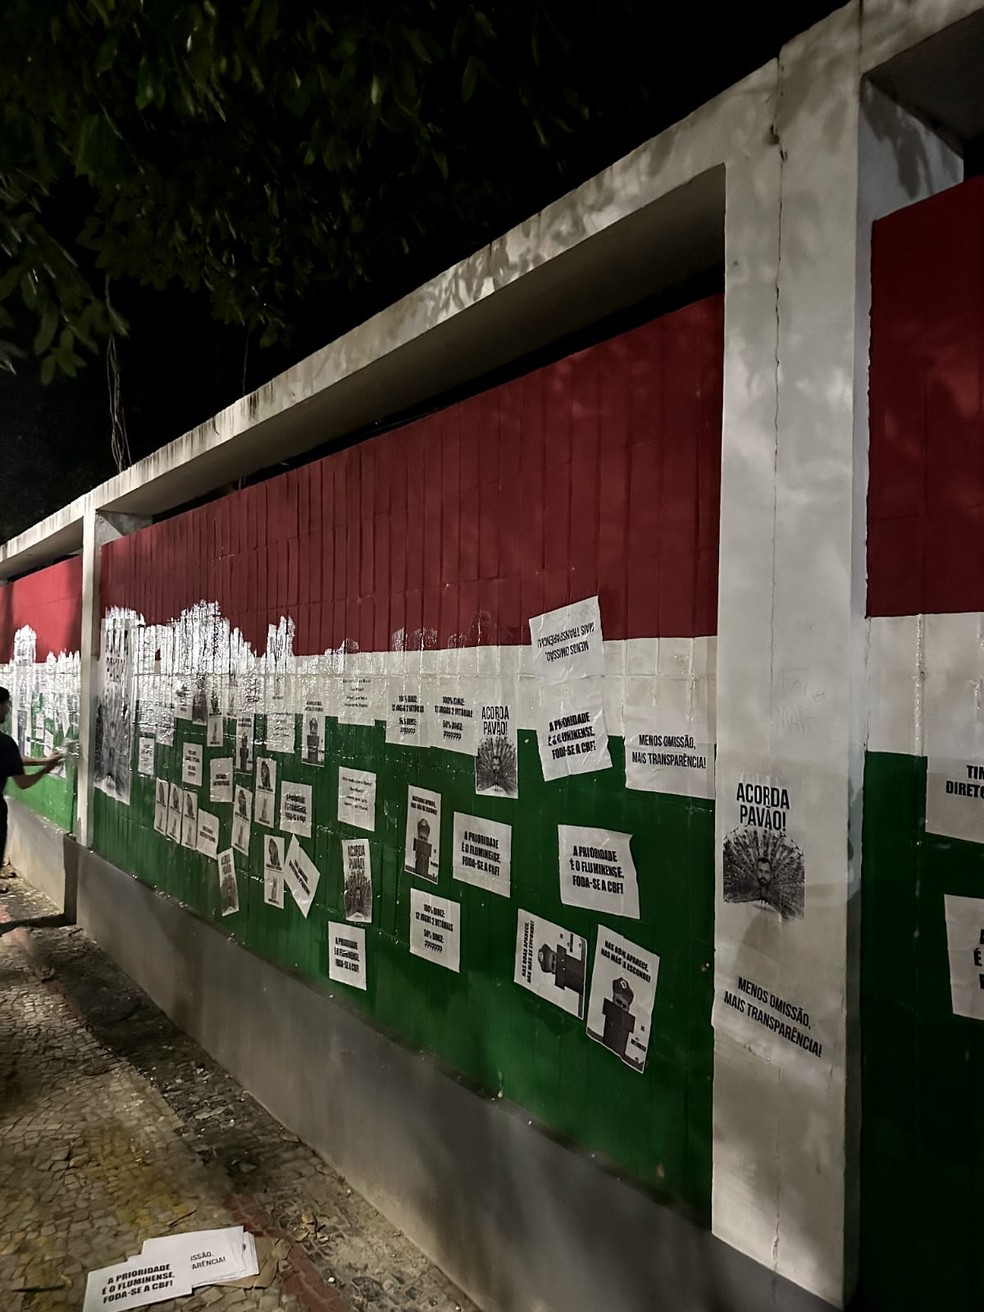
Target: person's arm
(25,781)
(51,761)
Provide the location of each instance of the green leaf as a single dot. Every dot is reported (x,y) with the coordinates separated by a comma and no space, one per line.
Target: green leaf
(46,333)
(9,281)
(469,79)
(48,366)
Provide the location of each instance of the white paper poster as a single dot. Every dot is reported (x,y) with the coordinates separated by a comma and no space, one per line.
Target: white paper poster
(189,820)
(496,751)
(955,798)
(136,1283)
(965,946)
(313,733)
(266,791)
(228,884)
(551,962)
(570,730)
(208,834)
(666,753)
(355,700)
(482,853)
(434,929)
(597,871)
(623,989)
(295,808)
(567,643)
(242,813)
(145,756)
(422,852)
(280,732)
(405,720)
(273,871)
(302,876)
(215,733)
(347,954)
(175,813)
(357,879)
(113,755)
(763,865)
(220,779)
(451,723)
(244,744)
(357,798)
(214,1256)
(191,765)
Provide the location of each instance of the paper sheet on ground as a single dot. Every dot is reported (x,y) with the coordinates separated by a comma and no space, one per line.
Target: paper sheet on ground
(212,1256)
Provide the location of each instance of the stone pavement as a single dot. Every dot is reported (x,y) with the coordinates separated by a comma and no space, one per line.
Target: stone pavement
(114,1127)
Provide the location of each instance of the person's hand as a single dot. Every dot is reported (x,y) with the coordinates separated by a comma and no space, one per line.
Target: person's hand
(55,759)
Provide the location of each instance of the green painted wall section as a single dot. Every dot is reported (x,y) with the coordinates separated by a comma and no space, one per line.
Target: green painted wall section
(922,1144)
(657,1126)
(53,797)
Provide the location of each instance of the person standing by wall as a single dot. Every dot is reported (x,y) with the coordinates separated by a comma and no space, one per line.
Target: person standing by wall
(13,766)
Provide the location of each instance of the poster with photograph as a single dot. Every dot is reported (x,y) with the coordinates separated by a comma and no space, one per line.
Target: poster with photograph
(215,733)
(422,848)
(208,834)
(497,751)
(175,813)
(434,925)
(567,643)
(145,755)
(273,871)
(570,729)
(189,820)
(482,853)
(313,735)
(228,884)
(192,756)
(112,760)
(199,700)
(623,989)
(357,798)
(244,744)
(764,866)
(357,879)
(302,876)
(347,954)
(242,812)
(295,808)
(266,791)
(597,871)
(551,962)
(667,753)
(220,779)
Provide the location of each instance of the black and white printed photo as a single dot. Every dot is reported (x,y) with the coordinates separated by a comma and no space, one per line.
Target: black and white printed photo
(273,871)
(228,886)
(765,868)
(266,791)
(244,744)
(357,877)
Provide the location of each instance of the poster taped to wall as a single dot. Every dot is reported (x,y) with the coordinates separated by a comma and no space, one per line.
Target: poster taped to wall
(266,791)
(208,834)
(623,989)
(295,808)
(302,876)
(244,744)
(764,867)
(551,962)
(570,729)
(482,853)
(347,954)
(192,755)
(357,879)
(113,746)
(215,733)
(422,851)
(405,719)
(434,923)
(220,779)
(955,798)
(597,871)
(497,751)
(313,734)
(965,947)
(567,643)
(451,722)
(667,753)
(280,732)
(273,871)
(355,700)
(189,820)
(145,755)
(228,884)
(241,815)
(175,814)
(357,798)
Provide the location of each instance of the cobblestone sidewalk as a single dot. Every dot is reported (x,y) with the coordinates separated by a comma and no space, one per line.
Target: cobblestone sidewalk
(115,1127)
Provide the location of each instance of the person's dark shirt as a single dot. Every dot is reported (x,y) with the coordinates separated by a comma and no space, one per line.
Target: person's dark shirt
(10,763)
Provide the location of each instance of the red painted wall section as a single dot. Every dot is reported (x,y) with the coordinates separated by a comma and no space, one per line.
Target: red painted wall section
(926,490)
(598,474)
(50,601)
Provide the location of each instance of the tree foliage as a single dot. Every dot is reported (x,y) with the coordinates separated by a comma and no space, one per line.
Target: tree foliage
(258,153)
